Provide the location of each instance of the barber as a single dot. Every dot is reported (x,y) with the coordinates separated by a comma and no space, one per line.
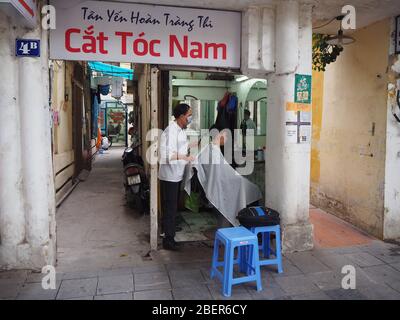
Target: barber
(174,148)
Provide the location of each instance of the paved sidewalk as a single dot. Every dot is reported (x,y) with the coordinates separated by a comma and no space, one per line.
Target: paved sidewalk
(313,275)
(103,253)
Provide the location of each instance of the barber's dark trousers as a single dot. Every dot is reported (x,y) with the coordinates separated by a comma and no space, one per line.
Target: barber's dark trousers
(169,203)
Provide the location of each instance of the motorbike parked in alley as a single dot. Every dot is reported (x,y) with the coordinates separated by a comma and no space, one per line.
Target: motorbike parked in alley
(137,189)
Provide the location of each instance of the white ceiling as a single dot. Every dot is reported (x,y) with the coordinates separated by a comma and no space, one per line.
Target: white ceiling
(367,11)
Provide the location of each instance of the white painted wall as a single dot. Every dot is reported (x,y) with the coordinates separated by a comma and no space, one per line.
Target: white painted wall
(258,41)
(201,93)
(27,206)
(391,223)
(12,215)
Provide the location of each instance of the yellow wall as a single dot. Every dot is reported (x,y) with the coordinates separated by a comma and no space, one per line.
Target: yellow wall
(317,102)
(63,154)
(62,137)
(348,148)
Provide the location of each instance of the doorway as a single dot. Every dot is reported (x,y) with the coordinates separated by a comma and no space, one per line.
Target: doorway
(79,122)
(198,218)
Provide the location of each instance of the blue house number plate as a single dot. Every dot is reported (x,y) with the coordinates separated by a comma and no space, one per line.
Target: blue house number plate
(27,48)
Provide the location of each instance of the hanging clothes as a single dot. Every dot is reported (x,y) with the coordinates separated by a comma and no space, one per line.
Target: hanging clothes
(232,103)
(224,100)
(104,89)
(227,119)
(95,113)
(226,112)
(221,121)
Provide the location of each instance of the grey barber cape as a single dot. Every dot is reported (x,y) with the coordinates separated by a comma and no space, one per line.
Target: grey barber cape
(224,187)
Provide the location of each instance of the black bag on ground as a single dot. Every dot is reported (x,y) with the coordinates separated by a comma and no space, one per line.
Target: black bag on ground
(258,217)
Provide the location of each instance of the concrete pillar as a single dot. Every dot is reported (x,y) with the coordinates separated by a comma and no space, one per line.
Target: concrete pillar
(12,215)
(37,155)
(251,51)
(27,202)
(287,37)
(288,165)
(258,41)
(391,223)
(268,39)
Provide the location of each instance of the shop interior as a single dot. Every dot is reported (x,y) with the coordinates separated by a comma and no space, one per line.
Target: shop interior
(120,119)
(198,218)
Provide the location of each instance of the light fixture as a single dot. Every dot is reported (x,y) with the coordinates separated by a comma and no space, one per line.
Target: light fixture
(241,78)
(186,97)
(340,39)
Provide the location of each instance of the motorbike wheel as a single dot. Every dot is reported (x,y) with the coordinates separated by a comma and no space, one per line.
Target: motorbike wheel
(134,201)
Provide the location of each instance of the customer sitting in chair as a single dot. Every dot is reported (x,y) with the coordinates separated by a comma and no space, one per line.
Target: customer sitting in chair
(224,187)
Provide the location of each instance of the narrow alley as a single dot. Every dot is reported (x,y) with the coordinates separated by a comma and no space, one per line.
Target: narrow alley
(95,227)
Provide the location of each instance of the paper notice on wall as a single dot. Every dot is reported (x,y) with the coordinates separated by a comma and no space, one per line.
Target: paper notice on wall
(298,122)
(305,117)
(305,134)
(302,93)
(291,133)
(291,116)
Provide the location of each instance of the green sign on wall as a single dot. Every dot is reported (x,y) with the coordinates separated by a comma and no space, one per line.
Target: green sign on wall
(302,93)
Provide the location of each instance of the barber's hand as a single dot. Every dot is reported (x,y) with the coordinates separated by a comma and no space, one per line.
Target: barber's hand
(190,158)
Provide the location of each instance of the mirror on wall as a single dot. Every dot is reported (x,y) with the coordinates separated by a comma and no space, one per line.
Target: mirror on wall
(258,113)
(204,113)
(256,103)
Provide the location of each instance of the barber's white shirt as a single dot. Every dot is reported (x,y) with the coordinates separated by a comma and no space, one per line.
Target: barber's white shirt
(173,141)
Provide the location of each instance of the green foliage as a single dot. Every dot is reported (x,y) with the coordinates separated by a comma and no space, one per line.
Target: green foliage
(323,53)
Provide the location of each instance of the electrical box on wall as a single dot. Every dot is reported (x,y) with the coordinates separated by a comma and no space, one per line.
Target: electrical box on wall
(116,88)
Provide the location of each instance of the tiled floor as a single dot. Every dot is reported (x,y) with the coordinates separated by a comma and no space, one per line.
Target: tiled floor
(196,226)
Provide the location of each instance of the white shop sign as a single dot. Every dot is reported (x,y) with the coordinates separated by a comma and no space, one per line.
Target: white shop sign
(128,32)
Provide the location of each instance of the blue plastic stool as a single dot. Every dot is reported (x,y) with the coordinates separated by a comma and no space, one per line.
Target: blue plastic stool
(232,238)
(265,246)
